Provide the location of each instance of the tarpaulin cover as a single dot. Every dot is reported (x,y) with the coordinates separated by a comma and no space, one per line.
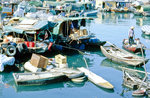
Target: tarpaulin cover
(12,29)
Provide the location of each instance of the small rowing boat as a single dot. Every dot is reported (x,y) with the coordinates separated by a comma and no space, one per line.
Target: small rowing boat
(38,78)
(116,54)
(97,80)
(46,77)
(146,29)
(136,47)
(139,93)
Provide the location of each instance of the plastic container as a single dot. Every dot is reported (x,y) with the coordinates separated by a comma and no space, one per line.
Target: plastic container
(31,44)
(14,44)
(27,43)
(49,46)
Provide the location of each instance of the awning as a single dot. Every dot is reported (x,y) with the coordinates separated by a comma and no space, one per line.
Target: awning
(12,29)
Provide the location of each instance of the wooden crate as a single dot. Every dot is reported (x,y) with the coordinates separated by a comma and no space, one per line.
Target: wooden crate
(39,61)
(60,59)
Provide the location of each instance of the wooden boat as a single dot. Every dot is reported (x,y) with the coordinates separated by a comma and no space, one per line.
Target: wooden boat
(53,75)
(89,13)
(116,54)
(135,48)
(148,92)
(146,13)
(145,36)
(139,93)
(97,80)
(80,79)
(134,81)
(146,29)
(37,78)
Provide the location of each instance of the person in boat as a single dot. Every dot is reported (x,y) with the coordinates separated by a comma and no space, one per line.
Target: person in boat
(138,41)
(131,35)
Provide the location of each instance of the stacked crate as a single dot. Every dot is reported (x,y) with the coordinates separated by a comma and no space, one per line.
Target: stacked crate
(61,61)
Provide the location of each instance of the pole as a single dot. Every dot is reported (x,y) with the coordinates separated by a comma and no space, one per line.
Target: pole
(144,69)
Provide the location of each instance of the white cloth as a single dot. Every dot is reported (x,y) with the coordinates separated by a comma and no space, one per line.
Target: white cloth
(4,60)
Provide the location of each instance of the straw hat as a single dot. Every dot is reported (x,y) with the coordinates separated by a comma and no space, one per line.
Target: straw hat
(132,27)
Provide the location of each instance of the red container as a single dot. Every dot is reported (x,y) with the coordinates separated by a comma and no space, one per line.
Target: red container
(31,44)
(27,43)
(49,46)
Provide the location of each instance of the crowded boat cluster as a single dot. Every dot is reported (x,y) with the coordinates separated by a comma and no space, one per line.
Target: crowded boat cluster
(34,27)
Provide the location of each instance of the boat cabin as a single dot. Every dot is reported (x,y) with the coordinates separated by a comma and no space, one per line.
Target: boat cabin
(73,33)
(35,33)
(8,8)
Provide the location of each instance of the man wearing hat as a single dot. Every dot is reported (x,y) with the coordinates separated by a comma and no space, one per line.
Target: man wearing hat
(131,35)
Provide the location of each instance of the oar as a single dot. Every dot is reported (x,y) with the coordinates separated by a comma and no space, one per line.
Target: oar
(111,44)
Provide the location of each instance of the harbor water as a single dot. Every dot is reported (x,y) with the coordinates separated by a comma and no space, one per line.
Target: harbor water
(112,27)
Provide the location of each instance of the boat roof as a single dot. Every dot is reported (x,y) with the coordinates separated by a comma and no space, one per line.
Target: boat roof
(65,19)
(29,25)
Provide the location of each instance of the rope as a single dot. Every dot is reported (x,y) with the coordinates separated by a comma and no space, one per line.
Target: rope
(85,63)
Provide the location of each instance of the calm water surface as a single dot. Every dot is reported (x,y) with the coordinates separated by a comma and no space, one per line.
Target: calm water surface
(109,27)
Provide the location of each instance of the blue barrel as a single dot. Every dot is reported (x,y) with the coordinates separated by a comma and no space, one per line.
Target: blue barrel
(14,44)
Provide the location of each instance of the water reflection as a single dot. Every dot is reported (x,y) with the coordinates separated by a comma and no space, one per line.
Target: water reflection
(7,81)
(59,85)
(140,21)
(108,63)
(145,36)
(113,18)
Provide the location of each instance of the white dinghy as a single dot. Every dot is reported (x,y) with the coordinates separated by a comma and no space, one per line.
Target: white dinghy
(97,80)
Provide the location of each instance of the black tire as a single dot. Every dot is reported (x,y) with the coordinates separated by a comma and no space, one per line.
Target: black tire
(76,75)
(1,50)
(22,48)
(11,50)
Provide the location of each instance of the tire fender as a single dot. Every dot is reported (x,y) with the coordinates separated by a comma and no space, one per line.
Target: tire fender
(11,50)
(1,50)
(22,47)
